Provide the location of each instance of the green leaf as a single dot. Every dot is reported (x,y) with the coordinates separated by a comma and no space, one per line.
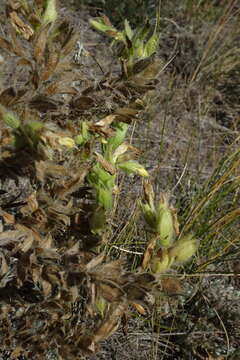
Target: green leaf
(133,167)
(128,30)
(153,41)
(104,198)
(11,120)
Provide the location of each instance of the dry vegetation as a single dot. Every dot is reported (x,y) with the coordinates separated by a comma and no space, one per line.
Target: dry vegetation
(93,260)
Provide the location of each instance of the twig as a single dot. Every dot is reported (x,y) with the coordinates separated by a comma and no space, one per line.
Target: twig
(127,251)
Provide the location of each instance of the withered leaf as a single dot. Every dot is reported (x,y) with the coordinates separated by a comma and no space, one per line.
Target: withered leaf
(105,122)
(8,96)
(6,45)
(49,168)
(142,64)
(88,344)
(95,262)
(106,20)
(73,184)
(47,287)
(149,73)
(51,64)
(3,264)
(74,292)
(110,292)
(18,48)
(105,164)
(40,42)
(134,292)
(31,206)
(171,286)
(58,87)
(16,352)
(57,216)
(27,231)
(102,271)
(47,242)
(145,280)
(111,323)
(20,26)
(8,218)
(43,103)
(82,103)
(69,42)
(11,236)
(139,308)
(126,114)
(148,253)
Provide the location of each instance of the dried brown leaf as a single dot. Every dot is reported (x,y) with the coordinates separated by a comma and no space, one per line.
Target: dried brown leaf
(128,112)
(95,262)
(74,292)
(69,43)
(105,122)
(6,45)
(88,344)
(40,43)
(47,242)
(27,243)
(17,46)
(8,96)
(111,270)
(43,103)
(9,237)
(110,292)
(145,280)
(111,323)
(149,73)
(73,184)
(58,87)
(171,286)
(8,218)
(16,352)
(36,272)
(30,232)
(47,287)
(106,164)
(135,292)
(3,265)
(51,65)
(24,29)
(82,103)
(74,250)
(139,308)
(148,253)
(31,206)
(49,168)
(58,217)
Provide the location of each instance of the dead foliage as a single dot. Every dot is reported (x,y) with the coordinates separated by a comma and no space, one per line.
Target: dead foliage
(56,289)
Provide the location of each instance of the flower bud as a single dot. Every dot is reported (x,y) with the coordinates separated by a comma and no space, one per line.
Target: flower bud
(133,167)
(184,249)
(50,14)
(165,223)
(9,118)
(149,215)
(101,305)
(161,262)
(66,141)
